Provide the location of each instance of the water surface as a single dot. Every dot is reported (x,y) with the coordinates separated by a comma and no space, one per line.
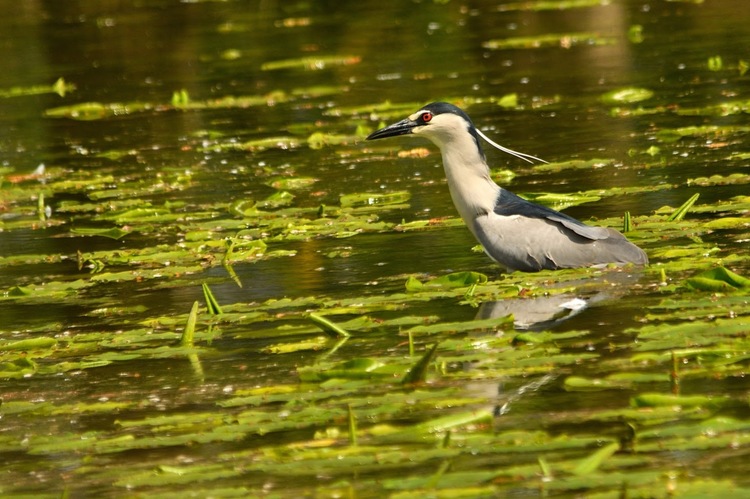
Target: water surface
(328,68)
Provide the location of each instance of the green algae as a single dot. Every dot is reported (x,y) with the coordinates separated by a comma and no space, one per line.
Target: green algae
(630,95)
(562,40)
(333,392)
(315,63)
(182,101)
(60,87)
(540,5)
(258,402)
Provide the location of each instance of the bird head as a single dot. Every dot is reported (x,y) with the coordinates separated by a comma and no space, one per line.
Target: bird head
(440,122)
(446,126)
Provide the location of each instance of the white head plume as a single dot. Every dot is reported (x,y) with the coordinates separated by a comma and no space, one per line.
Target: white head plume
(526,157)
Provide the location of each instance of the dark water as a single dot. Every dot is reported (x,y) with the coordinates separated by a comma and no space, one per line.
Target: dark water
(410,51)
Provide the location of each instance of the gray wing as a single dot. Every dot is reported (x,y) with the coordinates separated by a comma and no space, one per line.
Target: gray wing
(525,236)
(509,204)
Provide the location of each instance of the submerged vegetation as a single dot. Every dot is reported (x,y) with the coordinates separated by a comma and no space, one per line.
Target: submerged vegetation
(161,340)
(408,410)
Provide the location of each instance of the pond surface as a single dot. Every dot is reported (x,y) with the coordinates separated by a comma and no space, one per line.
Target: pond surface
(189,217)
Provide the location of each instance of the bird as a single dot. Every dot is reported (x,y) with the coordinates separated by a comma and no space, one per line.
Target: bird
(518,234)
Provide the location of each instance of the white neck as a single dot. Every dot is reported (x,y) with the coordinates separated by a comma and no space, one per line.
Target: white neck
(473,191)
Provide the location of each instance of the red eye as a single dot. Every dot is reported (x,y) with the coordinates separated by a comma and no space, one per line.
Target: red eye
(426,117)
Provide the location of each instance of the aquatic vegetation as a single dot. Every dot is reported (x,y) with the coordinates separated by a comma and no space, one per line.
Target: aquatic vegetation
(182,101)
(539,5)
(313,63)
(573,164)
(60,87)
(562,40)
(359,405)
(213,285)
(627,96)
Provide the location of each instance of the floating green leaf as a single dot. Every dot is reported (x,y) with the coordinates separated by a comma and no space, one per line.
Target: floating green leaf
(112,233)
(276,200)
(311,344)
(712,131)
(574,164)
(718,279)
(60,87)
(540,5)
(491,324)
(372,199)
(635,33)
(28,344)
(564,40)
(664,400)
(311,63)
(88,111)
(318,140)
(17,368)
(578,383)
(561,201)
(291,183)
(733,178)
(627,96)
(452,280)
(715,63)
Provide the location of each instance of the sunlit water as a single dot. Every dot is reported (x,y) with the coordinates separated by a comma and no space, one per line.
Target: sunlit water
(410,52)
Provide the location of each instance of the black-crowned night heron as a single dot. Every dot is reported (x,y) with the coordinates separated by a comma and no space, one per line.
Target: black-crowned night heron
(514,232)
